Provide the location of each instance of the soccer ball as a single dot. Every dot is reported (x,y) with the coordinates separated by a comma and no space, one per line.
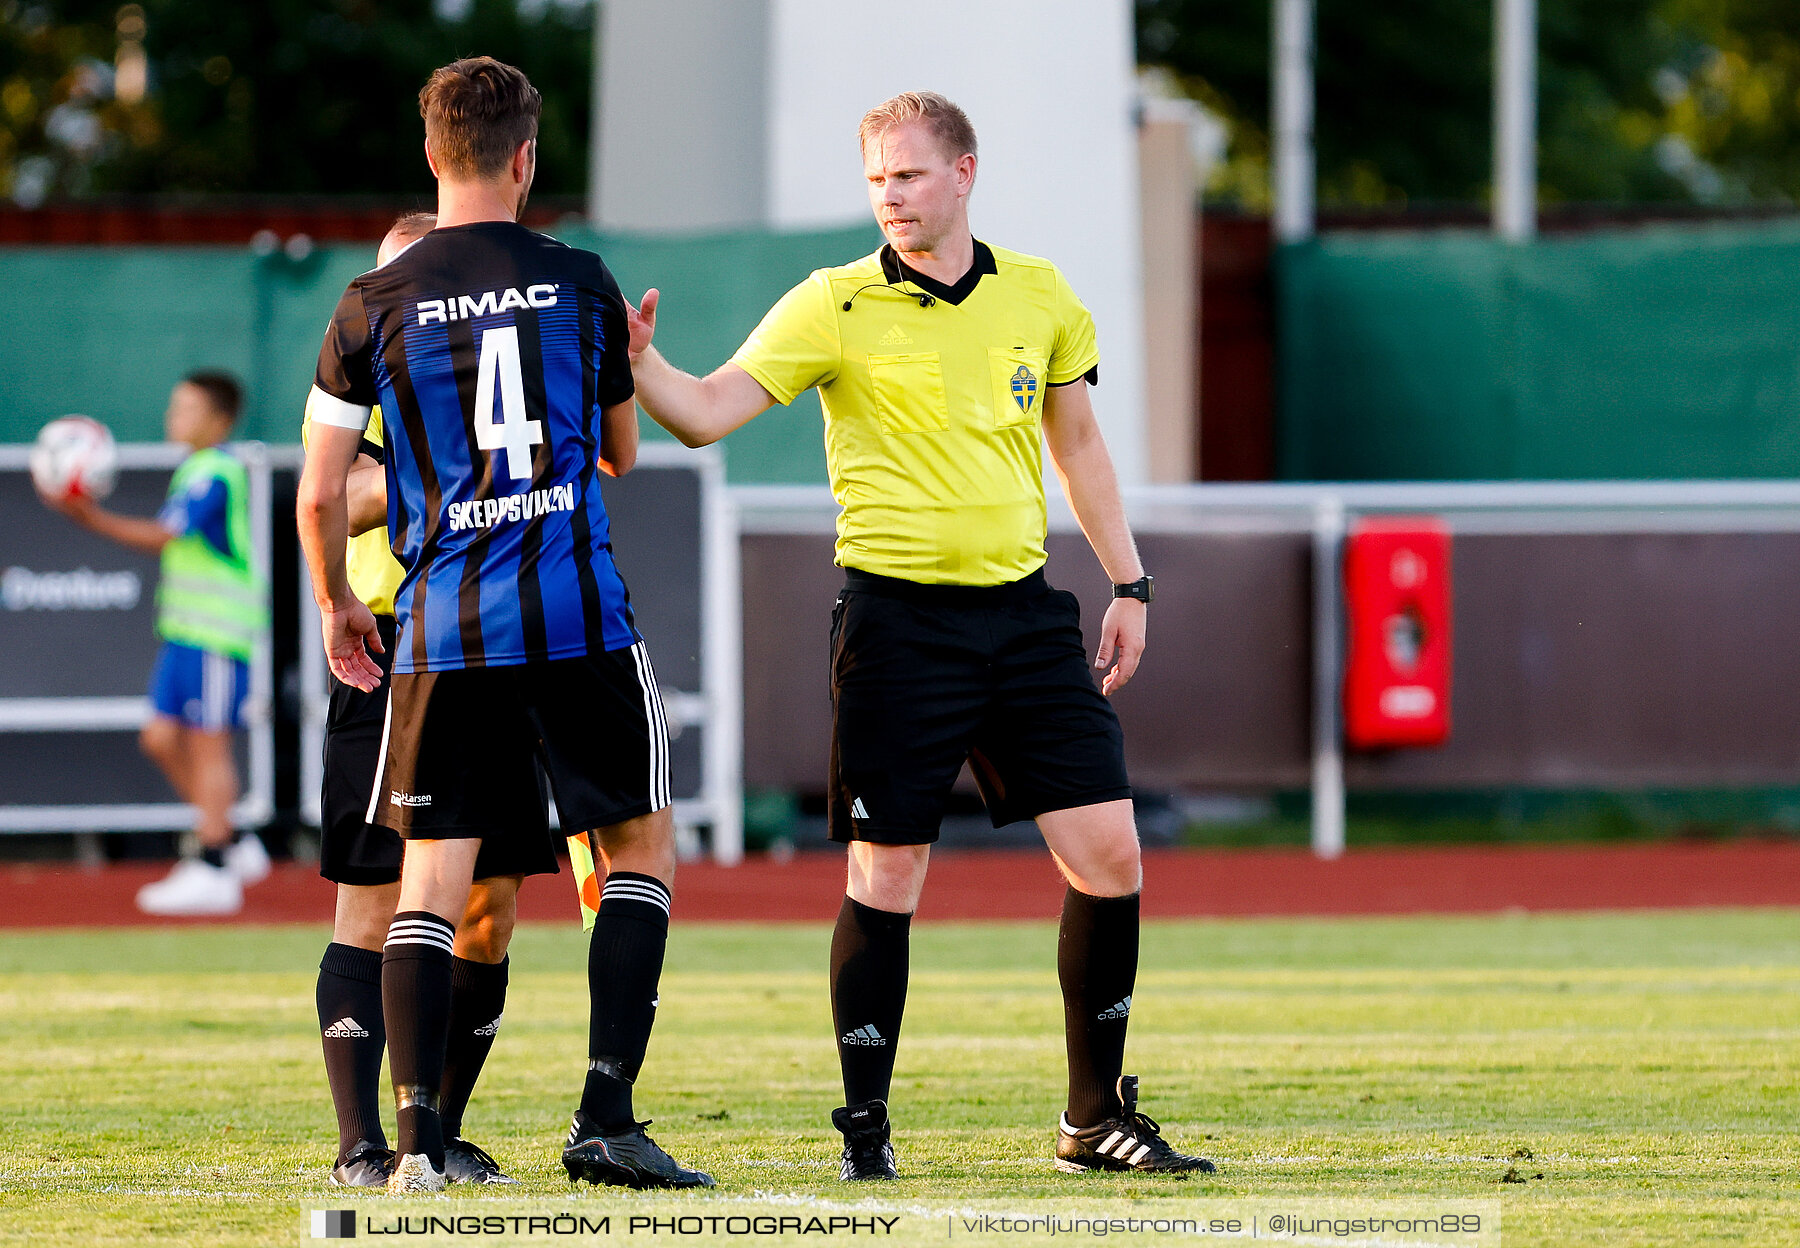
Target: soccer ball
(74,455)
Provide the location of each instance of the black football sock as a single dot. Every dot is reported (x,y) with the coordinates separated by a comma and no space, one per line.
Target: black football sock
(869,952)
(415,999)
(1096,960)
(477,999)
(625,957)
(349,1000)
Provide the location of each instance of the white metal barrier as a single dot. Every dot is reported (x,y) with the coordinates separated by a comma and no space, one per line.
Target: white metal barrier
(1324,511)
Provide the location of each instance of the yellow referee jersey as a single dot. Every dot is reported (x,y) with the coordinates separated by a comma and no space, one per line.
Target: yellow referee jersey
(375,574)
(933,398)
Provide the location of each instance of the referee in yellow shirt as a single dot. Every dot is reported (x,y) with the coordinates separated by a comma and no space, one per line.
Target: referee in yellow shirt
(940,362)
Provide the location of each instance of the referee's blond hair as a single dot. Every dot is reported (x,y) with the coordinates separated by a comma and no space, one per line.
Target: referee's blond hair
(948,123)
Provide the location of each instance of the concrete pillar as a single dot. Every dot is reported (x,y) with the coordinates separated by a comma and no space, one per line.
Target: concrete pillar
(680,136)
(1167,175)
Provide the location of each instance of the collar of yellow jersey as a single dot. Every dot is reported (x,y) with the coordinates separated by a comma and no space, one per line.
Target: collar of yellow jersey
(896,270)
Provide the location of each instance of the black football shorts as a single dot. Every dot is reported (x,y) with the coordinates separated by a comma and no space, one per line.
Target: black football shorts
(924,677)
(461,744)
(351,849)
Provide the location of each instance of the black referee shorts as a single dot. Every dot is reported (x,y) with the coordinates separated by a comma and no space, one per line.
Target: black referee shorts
(355,851)
(462,745)
(924,677)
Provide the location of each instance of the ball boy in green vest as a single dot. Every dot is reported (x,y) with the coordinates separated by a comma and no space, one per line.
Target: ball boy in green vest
(210,611)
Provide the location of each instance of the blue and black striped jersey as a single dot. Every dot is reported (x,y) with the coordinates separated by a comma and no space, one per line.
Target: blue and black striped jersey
(492,352)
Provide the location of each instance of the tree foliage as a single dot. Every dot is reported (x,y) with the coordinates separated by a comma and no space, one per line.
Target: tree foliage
(272,96)
(1638,100)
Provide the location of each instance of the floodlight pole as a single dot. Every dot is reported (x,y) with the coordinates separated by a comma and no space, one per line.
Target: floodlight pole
(1294,175)
(1515,119)
(597,77)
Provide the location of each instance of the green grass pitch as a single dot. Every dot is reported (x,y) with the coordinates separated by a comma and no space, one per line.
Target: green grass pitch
(164,1086)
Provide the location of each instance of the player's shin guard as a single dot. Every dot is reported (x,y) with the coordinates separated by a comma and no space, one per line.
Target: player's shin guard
(869,953)
(415,996)
(477,1000)
(352,1034)
(625,957)
(1096,960)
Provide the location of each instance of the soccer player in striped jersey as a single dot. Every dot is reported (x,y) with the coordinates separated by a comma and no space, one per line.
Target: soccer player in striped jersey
(498,359)
(363,860)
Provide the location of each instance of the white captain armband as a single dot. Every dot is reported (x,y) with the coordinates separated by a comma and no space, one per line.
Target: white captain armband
(323,409)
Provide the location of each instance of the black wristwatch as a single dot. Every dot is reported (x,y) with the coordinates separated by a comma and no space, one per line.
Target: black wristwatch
(1143,589)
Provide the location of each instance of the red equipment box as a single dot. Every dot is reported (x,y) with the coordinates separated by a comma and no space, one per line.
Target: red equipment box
(1397,669)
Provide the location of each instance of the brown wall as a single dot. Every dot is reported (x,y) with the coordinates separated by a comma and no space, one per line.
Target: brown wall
(224,219)
(1236,350)
(1581,661)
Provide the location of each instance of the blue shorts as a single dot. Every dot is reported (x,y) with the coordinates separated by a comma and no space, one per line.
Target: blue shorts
(201,688)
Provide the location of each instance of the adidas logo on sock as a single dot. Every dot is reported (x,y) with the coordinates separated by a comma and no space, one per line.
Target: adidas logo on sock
(863,1035)
(1121,1010)
(492,1029)
(347,1028)
(858,810)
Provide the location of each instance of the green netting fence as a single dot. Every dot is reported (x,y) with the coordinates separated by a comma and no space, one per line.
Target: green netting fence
(107,330)
(1649,353)
(1660,352)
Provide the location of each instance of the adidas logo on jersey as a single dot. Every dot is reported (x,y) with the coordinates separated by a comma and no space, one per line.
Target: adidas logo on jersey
(858,810)
(492,1029)
(346,1028)
(1121,1010)
(863,1035)
(896,337)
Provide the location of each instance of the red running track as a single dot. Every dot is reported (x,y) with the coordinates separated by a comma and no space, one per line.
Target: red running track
(1024,885)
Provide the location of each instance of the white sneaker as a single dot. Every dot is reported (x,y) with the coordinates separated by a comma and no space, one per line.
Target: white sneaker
(414,1173)
(193,887)
(247,860)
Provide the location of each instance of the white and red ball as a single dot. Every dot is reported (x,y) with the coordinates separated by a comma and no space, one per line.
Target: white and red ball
(75,455)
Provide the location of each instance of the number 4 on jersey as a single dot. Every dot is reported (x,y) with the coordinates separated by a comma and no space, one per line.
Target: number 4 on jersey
(511,432)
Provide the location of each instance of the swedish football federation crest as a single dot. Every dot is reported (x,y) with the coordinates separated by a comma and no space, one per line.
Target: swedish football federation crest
(1024,389)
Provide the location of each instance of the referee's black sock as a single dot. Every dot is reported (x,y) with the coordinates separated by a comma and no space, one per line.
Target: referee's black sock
(350,1028)
(477,999)
(415,998)
(625,957)
(869,952)
(1096,960)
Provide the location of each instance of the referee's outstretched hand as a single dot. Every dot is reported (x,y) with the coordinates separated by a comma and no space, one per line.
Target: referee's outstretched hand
(1121,643)
(641,321)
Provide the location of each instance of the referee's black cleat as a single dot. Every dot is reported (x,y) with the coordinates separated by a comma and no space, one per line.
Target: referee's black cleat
(1131,1141)
(867,1152)
(366,1165)
(628,1158)
(468,1163)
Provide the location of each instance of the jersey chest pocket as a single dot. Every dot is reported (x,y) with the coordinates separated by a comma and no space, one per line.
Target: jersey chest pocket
(1019,386)
(909,392)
